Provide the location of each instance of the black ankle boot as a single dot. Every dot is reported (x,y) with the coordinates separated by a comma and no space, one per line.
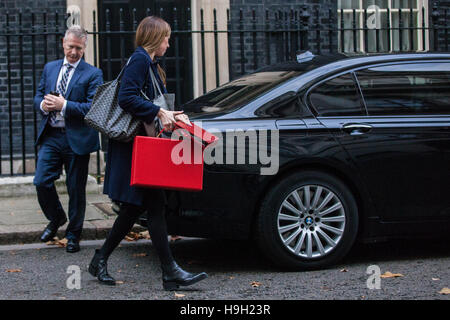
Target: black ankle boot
(98,268)
(174,276)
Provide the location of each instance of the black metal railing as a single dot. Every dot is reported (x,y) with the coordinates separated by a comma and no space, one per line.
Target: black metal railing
(253,39)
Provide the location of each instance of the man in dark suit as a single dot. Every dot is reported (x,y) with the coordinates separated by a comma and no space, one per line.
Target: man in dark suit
(64,96)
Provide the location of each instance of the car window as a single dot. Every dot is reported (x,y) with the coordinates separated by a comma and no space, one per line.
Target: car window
(406,89)
(337,97)
(287,104)
(239,92)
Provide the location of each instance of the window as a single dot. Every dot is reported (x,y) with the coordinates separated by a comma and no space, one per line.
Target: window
(285,105)
(383,25)
(406,89)
(337,97)
(239,92)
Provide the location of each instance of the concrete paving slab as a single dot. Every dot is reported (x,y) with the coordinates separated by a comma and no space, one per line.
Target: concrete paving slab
(22,220)
(33,216)
(22,217)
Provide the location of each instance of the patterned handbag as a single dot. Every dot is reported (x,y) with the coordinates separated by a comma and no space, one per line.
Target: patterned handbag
(108,117)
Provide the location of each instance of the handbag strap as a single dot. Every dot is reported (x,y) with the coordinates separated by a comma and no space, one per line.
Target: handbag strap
(152,75)
(121,71)
(155,82)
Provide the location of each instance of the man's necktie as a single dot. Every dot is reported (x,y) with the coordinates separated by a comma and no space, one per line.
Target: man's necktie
(61,89)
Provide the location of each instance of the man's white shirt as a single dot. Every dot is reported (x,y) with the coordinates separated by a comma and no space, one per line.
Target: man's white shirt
(60,116)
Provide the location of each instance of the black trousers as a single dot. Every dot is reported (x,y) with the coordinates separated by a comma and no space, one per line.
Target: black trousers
(155,206)
(54,153)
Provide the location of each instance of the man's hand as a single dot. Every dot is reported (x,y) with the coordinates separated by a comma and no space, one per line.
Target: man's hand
(45,107)
(53,103)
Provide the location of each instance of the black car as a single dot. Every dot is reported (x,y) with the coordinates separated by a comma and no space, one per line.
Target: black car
(363,151)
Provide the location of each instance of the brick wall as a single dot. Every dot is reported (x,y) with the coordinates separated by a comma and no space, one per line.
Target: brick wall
(278,46)
(17,87)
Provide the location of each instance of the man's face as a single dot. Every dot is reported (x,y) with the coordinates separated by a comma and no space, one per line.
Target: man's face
(73,48)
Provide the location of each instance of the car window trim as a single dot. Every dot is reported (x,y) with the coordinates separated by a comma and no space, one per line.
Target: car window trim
(310,105)
(290,85)
(302,86)
(390,63)
(397,63)
(296,95)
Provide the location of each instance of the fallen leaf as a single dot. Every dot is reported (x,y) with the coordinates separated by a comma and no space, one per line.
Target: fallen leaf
(344,270)
(256,284)
(140,255)
(133,236)
(120,282)
(435,279)
(445,291)
(62,243)
(231,278)
(12,213)
(14,270)
(391,275)
(56,242)
(178,295)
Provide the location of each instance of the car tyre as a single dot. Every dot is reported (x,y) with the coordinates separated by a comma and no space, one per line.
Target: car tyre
(290,227)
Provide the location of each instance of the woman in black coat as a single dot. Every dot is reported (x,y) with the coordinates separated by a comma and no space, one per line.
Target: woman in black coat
(152,39)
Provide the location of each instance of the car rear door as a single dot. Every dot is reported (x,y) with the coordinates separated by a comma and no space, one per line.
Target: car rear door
(402,146)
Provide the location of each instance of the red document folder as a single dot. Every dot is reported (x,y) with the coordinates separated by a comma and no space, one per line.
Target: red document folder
(154,164)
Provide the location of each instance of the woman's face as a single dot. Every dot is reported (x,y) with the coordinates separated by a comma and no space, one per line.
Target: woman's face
(163,47)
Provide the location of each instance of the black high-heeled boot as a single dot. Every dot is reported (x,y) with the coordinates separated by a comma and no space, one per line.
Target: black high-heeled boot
(98,268)
(174,276)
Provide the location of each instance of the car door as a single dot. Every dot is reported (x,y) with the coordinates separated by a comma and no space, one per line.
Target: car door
(402,147)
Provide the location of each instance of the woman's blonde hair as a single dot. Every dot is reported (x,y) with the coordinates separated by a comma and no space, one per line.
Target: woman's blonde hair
(150,34)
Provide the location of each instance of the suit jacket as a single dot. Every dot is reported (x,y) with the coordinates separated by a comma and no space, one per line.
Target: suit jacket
(79,94)
(136,76)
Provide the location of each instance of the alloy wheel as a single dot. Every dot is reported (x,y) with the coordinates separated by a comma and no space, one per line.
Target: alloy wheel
(311,221)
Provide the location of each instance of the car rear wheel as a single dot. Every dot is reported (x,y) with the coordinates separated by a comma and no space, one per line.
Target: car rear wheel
(308,220)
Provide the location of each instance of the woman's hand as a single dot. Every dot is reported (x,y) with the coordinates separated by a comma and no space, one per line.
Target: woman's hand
(168,118)
(183,117)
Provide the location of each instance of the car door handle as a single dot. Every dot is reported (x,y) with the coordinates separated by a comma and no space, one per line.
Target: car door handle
(356,128)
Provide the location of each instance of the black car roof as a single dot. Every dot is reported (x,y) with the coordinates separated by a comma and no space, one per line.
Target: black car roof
(349,59)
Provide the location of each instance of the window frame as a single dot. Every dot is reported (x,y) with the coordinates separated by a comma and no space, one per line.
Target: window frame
(314,110)
(301,109)
(421,25)
(399,63)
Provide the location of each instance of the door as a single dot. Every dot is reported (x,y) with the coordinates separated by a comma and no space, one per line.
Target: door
(402,146)
(121,18)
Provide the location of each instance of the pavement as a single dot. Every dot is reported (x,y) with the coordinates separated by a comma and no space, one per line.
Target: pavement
(22,220)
